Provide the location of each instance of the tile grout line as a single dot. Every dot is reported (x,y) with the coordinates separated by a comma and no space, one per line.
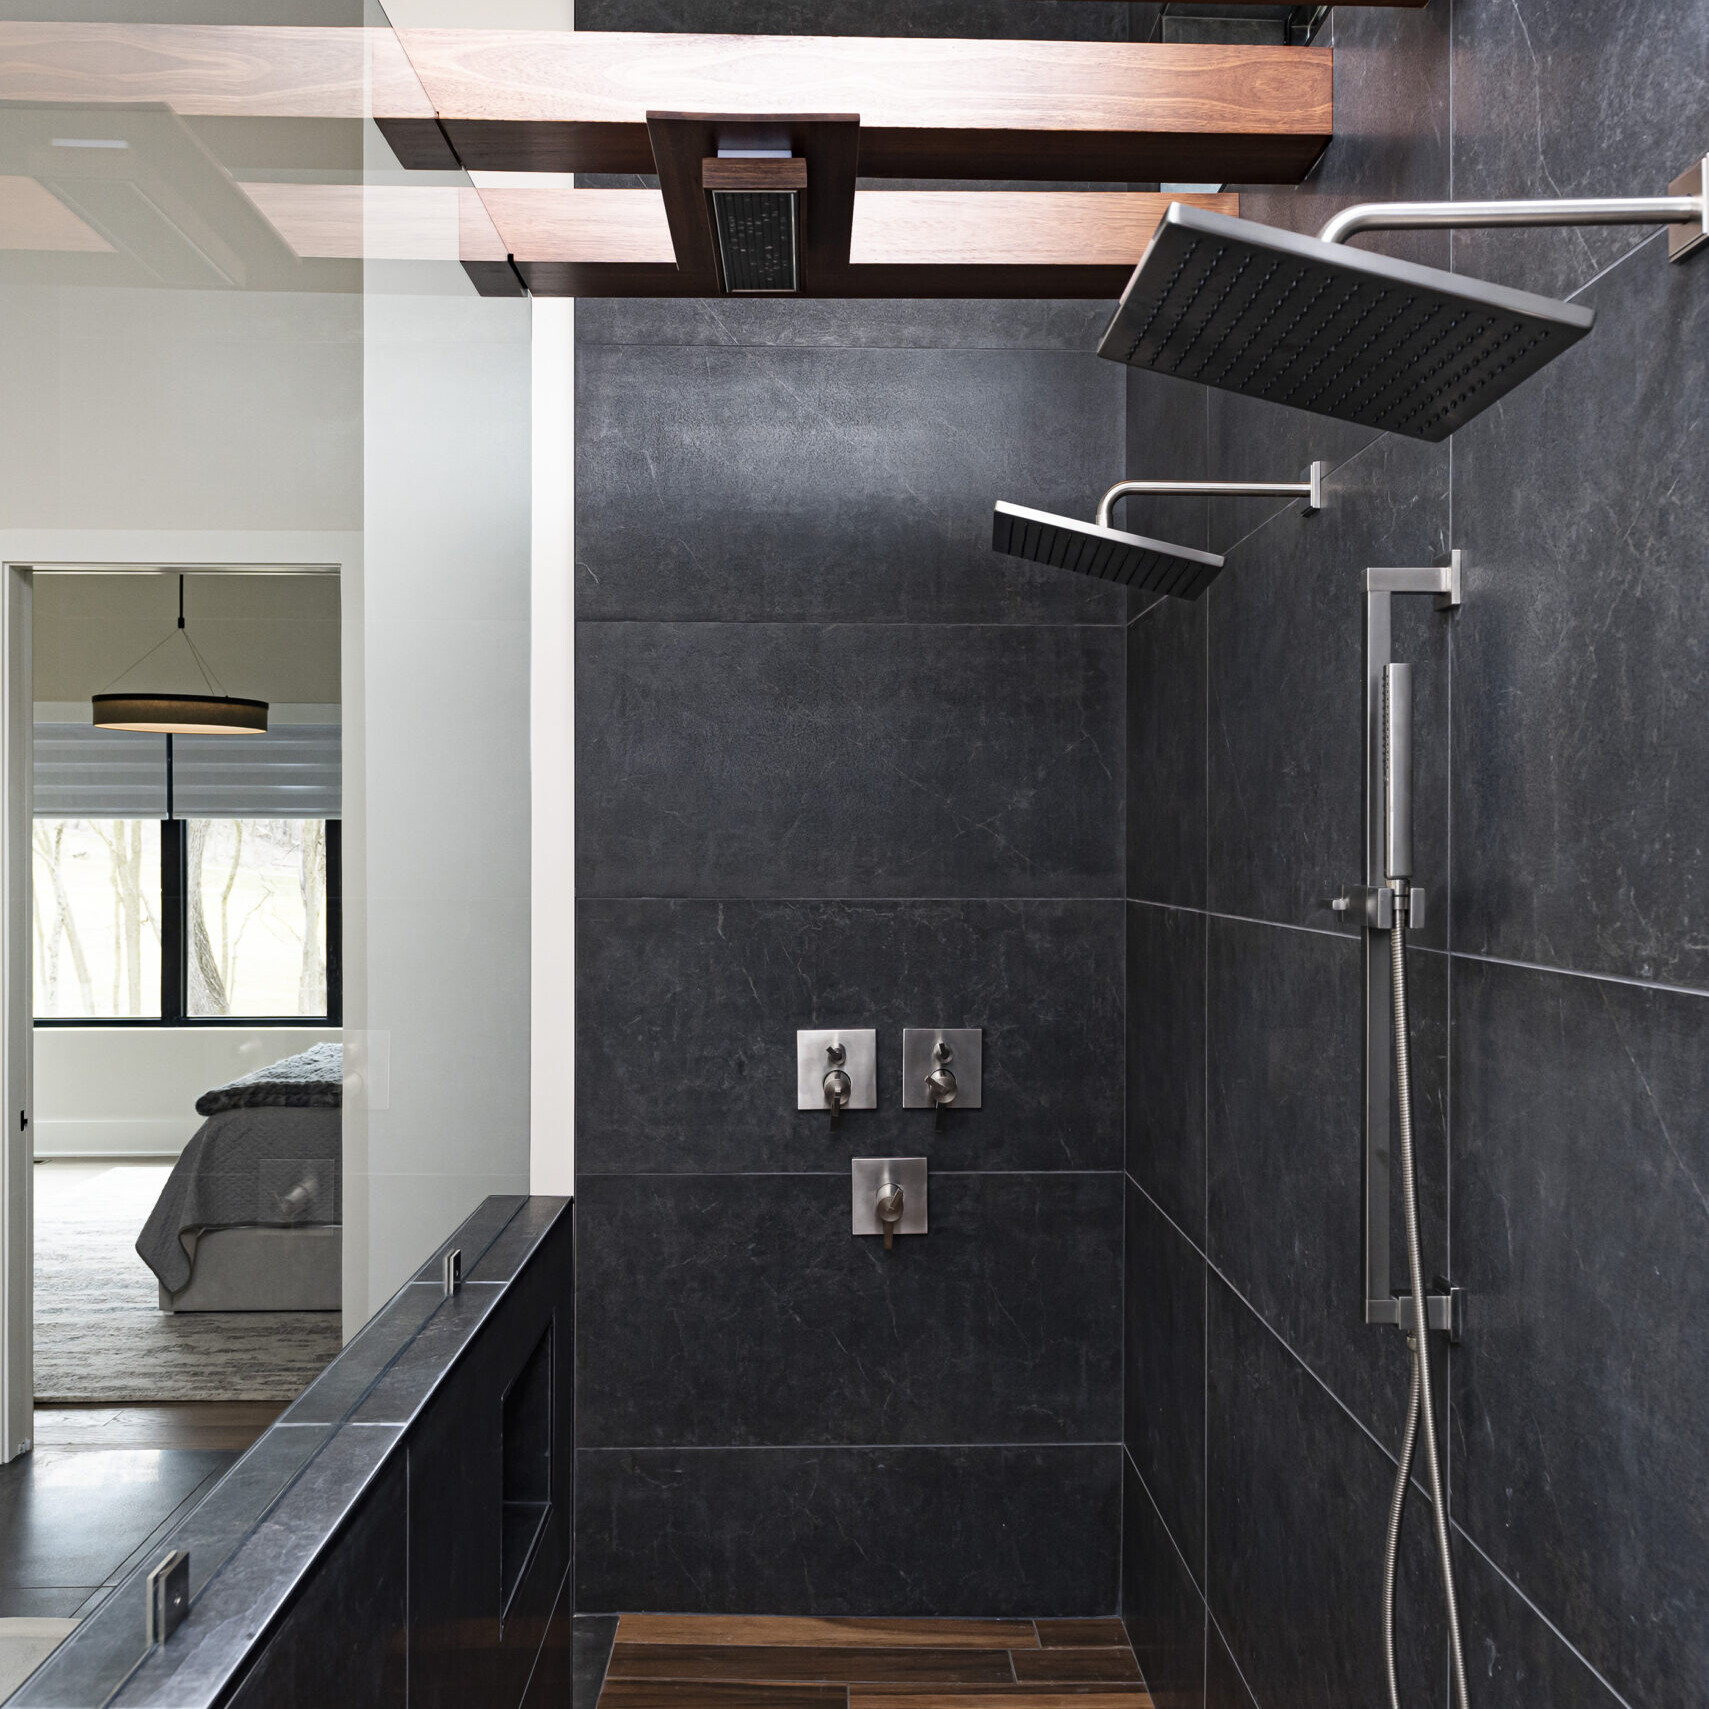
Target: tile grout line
(823,1447)
(1432,949)
(1271,1329)
(1566,1642)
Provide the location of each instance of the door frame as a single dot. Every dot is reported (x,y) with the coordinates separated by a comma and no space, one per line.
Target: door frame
(17,1030)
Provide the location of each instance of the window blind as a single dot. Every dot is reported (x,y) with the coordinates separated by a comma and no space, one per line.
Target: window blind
(85,773)
(292,772)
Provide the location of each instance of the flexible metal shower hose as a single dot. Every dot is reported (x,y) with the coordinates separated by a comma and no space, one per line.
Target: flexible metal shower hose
(1420,1411)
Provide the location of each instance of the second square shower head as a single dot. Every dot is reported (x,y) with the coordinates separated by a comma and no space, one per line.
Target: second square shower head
(1133,560)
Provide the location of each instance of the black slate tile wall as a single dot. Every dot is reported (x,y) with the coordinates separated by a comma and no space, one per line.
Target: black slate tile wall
(1560,988)
(841,765)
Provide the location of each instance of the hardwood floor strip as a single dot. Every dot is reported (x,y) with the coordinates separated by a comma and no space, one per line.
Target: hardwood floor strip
(720,1694)
(1080,1634)
(221,1424)
(1015,1697)
(837,1632)
(1076,1665)
(848,1663)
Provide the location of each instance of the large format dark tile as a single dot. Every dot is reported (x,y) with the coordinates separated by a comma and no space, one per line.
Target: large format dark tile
(747,759)
(834,485)
(876,1531)
(1581,1152)
(1166,714)
(1163,1610)
(1073,20)
(1285,1148)
(1554,98)
(1298,1510)
(1512,1657)
(1166,1060)
(1581,682)
(1225,1686)
(687,1013)
(1164,1428)
(1287,690)
(768,323)
(740,1310)
(1168,424)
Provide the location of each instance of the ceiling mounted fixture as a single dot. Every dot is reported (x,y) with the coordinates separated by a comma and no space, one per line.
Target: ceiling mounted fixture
(215,714)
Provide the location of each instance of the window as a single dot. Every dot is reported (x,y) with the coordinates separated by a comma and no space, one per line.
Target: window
(187,920)
(255,892)
(97,918)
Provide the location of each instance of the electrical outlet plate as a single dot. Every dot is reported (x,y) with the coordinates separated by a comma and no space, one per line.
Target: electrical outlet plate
(860,1063)
(966,1063)
(867,1176)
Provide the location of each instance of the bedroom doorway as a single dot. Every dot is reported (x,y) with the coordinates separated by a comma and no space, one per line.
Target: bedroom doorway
(176,901)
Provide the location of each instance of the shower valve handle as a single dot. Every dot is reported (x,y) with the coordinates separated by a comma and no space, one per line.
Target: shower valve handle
(837,1090)
(941,1089)
(889,1211)
(838,1086)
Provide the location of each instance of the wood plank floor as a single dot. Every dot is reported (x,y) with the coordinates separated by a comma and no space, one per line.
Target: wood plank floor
(227,1424)
(677,1661)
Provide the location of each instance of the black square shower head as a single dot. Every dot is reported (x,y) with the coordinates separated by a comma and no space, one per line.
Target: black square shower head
(1322,327)
(1153,566)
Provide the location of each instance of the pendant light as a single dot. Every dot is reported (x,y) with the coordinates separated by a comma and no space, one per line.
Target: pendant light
(216,714)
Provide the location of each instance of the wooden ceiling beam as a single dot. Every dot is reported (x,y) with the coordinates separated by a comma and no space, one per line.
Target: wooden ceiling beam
(582,242)
(1103,111)
(553,100)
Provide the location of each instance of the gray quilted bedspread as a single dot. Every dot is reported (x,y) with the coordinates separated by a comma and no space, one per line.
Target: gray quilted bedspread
(313,1079)
(272,1165)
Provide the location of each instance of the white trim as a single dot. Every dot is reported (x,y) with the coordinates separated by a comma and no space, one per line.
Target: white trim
(552,721)
(17,1043)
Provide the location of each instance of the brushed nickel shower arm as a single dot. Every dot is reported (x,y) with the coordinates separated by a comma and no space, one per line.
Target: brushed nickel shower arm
(1686,207)
(1310,489)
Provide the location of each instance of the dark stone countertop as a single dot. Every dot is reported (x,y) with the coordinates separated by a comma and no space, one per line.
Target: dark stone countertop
(255,1537)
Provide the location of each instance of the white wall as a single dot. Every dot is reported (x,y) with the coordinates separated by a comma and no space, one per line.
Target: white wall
(132,1091)
(437,860)
(271,637)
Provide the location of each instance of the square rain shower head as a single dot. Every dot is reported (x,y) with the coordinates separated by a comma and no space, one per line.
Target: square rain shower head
(1322,327)
(1153,566)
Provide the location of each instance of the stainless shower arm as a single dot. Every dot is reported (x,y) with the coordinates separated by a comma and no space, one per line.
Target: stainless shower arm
(1592,210)
(1310,489)
(1690,208)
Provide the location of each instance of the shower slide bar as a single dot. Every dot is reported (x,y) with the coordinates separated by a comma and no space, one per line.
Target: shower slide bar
(1373,901)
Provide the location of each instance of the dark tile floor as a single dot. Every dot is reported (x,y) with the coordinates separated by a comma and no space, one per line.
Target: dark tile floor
(101,1486)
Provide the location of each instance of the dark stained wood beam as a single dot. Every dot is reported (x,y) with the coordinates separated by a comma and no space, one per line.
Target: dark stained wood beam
(557,101)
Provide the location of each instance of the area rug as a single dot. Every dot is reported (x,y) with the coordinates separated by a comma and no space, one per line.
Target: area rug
(100,1332)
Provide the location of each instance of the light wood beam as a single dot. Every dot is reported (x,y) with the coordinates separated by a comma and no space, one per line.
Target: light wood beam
(562,101)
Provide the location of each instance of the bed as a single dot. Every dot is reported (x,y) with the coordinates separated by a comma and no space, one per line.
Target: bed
(249,1219)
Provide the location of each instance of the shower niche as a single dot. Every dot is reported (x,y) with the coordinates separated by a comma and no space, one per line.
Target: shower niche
(526,1468)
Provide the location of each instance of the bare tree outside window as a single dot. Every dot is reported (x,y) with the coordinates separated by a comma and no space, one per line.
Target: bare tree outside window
(256,893)
(94,886)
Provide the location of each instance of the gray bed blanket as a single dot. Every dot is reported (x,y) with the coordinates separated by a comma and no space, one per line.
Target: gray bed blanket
(313,1079)
(276,1164)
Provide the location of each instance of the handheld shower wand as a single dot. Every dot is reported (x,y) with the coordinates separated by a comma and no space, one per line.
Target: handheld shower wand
(1396,730)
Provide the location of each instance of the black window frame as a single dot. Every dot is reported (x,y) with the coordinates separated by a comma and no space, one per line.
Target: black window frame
(175,947)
